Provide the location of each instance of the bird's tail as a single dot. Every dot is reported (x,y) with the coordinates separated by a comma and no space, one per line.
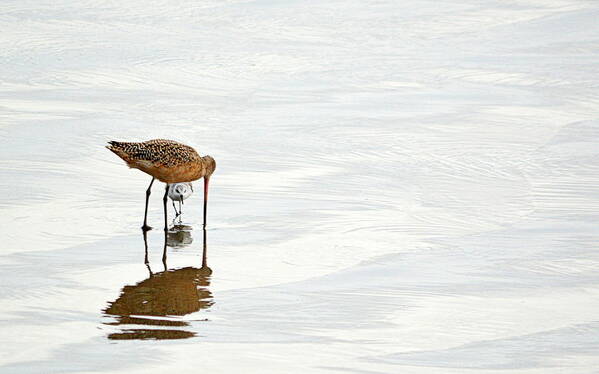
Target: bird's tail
(118,148)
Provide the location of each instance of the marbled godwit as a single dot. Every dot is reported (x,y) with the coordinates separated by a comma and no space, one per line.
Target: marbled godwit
(169,162)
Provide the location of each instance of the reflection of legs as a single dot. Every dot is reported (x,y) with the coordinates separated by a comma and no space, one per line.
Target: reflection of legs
(164,254)
(145,227)
(146,261)
(205,269)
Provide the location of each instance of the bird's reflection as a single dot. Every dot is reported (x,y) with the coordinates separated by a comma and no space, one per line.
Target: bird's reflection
(148,309)
(179,236)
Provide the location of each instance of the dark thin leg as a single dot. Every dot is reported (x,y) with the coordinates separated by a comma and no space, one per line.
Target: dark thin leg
(164,200)
(180,210)
(175,208)
(145,227)
(206,180)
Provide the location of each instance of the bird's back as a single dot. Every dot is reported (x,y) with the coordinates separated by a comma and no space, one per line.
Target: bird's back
(167,160)
(159,152)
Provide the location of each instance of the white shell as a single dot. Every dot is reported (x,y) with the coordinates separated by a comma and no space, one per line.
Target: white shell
(179,191)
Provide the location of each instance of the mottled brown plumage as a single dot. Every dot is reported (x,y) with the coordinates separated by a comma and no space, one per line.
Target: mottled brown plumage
(166,160)
(169,162)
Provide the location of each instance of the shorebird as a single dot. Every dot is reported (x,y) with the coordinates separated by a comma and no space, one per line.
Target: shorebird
(179,192)
(169,162)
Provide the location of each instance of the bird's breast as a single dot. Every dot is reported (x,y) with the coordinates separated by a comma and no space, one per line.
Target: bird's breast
(186,172)
(181,173)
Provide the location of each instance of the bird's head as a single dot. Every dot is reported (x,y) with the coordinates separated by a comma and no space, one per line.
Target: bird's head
(210,165)
(181,188)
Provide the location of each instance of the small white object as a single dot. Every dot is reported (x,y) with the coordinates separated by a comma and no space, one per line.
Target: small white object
(179,191)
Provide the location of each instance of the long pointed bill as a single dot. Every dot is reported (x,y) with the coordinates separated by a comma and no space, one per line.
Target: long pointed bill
(206,181)
(205,251)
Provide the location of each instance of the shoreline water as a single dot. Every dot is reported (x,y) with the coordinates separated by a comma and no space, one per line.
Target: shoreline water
(399,188)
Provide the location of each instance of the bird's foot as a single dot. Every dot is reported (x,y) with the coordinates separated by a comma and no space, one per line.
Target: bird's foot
(146,227)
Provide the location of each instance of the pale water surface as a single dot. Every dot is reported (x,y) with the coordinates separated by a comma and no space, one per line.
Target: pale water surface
(402,186)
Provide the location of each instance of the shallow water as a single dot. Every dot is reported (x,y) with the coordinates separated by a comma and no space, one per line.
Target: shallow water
(400,187)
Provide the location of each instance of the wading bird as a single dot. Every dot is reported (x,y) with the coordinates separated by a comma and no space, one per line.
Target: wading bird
(179,192)
(169,162)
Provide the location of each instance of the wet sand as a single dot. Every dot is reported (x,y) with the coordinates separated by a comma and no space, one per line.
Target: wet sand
(404,188)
